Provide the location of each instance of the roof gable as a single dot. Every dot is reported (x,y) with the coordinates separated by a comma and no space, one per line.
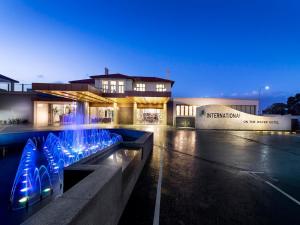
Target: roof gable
(7,79)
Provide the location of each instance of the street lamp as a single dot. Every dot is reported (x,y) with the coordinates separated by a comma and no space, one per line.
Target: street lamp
(266,88)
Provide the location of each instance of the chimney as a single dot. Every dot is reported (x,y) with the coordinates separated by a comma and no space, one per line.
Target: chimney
(168,73)
(106,71)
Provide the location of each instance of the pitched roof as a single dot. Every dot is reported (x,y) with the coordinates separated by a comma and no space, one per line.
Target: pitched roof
(135,78)
(83,81)
(2,77)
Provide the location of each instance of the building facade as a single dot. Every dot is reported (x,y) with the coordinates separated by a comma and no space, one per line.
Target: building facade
(184,109)
(113,99)
(110,98)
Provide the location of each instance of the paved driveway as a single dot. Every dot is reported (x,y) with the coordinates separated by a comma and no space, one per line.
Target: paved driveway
(218,177)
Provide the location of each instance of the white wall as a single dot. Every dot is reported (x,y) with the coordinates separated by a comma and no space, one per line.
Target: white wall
(130,85)
(223,117)
(16,106)
(212,101)
(127,83)
(151,86)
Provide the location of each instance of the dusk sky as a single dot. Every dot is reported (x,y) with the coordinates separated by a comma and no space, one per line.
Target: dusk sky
(212,48)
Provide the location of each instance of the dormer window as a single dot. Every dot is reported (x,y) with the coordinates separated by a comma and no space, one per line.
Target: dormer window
(160,88)
(140,87)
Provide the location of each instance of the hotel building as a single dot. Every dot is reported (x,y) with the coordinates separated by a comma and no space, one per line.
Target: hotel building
(108,98)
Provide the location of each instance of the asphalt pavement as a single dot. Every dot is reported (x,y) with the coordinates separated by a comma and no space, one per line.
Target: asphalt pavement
(218,177)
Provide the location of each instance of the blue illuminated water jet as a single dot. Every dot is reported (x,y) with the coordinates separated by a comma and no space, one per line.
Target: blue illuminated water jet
(40,171)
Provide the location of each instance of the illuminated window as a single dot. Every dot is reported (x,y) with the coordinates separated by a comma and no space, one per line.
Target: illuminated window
(140,87)
(182,110)
(113,87)
(121,86)
(190,110)
(185,110)
(105,86)
(160,88)
(177,110)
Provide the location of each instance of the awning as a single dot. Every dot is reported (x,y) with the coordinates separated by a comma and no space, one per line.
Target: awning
(76,92)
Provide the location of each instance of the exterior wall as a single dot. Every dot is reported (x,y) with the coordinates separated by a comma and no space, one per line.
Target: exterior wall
(16,106)
(151,86)
(130,85)
(226,118)
(212,101)
(127,83)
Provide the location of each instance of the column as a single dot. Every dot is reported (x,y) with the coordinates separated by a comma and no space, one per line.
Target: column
(134,113)
(165,114)
(116,112)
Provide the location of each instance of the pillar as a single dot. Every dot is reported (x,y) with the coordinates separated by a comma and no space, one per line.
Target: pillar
(86,107)
(116,109)
(134,113)
(165,114)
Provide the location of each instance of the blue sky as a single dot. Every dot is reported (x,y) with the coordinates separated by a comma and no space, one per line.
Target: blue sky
(212,48)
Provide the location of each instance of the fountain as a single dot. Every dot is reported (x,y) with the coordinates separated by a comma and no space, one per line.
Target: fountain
(40,171)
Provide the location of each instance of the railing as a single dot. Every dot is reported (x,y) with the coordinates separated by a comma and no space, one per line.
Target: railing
(7,87)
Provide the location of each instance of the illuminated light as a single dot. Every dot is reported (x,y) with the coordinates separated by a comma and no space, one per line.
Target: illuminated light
(31,169)
(24,189)
(23,200)
(46,190)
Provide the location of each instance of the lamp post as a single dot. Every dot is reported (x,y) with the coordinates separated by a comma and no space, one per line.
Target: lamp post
(266,88)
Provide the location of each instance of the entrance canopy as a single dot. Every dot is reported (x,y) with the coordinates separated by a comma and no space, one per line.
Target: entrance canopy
(88,93)
(76,92)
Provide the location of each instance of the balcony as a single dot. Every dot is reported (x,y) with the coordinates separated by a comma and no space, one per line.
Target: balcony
(8,87)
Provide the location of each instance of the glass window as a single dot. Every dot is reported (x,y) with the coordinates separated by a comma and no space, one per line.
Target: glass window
(177,110)
(160,88)
(181,110)
(121,86)
(190,110)
(186,110)
(105,86)
(113,86)
(140,87)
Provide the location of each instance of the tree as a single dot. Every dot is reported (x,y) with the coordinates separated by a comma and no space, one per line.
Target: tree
(291,107)
(276,108)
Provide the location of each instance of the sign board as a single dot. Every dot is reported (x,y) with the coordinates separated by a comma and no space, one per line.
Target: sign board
(225,118)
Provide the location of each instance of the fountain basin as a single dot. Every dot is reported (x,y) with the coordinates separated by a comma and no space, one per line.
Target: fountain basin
(98,187)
